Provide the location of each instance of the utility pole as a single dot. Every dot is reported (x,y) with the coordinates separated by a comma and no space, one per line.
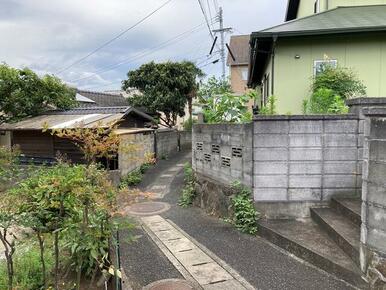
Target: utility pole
(222,31)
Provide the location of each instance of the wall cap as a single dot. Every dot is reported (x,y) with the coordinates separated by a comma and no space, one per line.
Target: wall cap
(304,117)
(365,101)
(375,111)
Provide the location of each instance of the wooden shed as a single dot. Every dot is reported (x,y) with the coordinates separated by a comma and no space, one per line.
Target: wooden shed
(41,146)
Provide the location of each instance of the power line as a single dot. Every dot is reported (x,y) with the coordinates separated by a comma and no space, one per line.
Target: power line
(206,18)
(145,52)
(114,38)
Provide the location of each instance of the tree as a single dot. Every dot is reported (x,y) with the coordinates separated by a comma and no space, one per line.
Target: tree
(96,142)
(23,93)
(164,87)
(213,87)
(221,105)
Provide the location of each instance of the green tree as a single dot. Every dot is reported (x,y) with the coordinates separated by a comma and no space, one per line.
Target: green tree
(221,105)
(164,88)
(23,93)
(213,87)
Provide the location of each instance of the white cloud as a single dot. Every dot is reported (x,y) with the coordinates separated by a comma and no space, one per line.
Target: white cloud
(48,35)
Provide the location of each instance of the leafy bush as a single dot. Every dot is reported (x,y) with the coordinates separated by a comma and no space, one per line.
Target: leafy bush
(245,215)
(70,204)
(341,81)
(270,107)
(28,274)
(330,89)
(144,167)
(133,178)
(325,101)
(188,192)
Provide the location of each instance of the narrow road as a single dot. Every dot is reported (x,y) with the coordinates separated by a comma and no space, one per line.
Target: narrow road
(187,244)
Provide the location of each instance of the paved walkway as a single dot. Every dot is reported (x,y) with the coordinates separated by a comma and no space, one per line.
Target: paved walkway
(220,256)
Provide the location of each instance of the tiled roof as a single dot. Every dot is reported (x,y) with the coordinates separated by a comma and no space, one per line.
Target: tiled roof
(90,110)
(102,99)
(239,45)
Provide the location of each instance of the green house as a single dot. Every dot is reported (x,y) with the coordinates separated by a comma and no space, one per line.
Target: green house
(285,58)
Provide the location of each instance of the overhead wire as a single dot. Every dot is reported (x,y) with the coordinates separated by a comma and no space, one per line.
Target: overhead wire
(144,53)
(114,38)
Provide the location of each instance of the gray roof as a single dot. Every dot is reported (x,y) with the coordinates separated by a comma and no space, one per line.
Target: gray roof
(239,45)
(338,20)
(102,99)
(75,118)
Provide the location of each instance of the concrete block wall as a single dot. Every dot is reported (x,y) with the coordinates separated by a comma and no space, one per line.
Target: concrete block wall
(166,142)
(185,139)
(306,158)
(373,230)
(132,150)
(223,152)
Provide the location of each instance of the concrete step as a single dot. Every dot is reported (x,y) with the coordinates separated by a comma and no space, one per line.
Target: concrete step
(306,240)
(349,207)
(344,232)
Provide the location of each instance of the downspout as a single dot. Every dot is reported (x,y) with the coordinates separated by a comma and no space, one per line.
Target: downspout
(273,65)
(327,5)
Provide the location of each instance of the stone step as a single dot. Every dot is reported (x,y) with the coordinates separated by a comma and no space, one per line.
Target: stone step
(344,232)
(306,240)
(349,207)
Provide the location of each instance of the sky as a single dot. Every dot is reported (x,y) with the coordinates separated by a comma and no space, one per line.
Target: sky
(49,36)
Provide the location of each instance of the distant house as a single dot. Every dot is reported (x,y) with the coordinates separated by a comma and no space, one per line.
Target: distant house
(285,58)
(41,146)
(238,67)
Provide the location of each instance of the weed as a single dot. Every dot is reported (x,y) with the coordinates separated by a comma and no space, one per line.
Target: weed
(188,192)
(245,215)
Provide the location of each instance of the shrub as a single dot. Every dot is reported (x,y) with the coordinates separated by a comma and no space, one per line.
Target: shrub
(144,167)
(325,101)
(188,192)
(341,81)
(133,178)
(28,274)
(245,215)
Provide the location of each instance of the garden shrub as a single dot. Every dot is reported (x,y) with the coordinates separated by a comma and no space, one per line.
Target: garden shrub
(341,81)
(245,215)
(133,178)
(330,89)
(188,192)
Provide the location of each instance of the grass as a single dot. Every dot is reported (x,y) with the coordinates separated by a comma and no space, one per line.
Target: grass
(28,272)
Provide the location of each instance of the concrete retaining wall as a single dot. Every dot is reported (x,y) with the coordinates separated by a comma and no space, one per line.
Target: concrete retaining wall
(373,230)
(306,158)
(167,142)
(223,152)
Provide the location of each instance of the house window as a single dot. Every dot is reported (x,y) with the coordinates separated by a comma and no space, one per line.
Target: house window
(244,73)
(320,65)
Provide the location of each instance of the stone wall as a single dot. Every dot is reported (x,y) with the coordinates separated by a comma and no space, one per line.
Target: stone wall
(132,150)
(373,230)
(223,152)
(185,140)
(306,158)
(166,142)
